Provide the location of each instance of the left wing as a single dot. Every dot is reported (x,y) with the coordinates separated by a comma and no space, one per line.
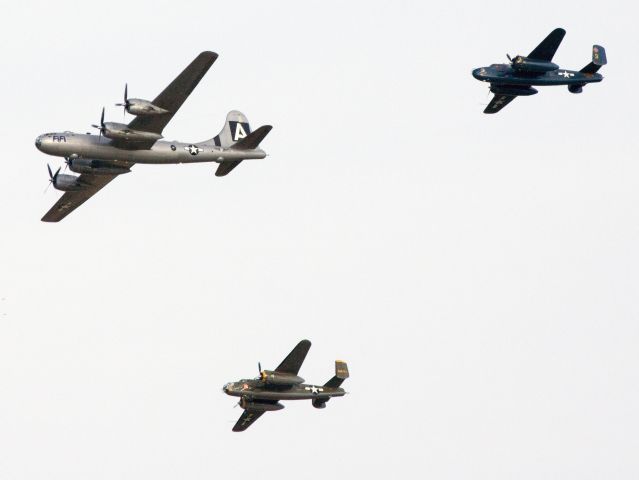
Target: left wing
(72,200)
(293,361)
(173,96)
(547,48)
(247,419)
(498,102)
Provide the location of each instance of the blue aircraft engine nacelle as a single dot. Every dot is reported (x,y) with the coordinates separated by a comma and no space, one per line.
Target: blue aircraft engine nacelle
(530,65)
(513,90)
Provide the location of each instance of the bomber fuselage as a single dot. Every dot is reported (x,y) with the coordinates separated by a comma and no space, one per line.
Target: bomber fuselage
(504,74)
(255,389)
(69,144)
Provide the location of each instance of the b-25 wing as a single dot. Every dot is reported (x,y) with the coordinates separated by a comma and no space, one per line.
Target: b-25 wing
(293,361)
(247,419)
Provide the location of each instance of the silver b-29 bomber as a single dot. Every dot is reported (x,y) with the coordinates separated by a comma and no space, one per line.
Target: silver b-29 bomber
(117,146)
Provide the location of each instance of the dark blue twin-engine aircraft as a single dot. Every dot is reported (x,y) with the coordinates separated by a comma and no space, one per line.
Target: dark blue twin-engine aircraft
(516,79)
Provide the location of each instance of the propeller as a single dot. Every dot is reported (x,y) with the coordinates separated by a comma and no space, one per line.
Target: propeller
(101,126)
(509,59)
(259,367)
(53,177)
(125,105)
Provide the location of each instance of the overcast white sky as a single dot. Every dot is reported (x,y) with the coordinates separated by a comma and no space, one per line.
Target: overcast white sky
(479,273)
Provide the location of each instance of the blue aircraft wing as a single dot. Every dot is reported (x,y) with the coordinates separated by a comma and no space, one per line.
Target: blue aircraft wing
(547,48)
(498,102)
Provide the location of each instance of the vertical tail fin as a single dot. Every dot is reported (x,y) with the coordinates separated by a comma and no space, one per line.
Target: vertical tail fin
(235,129)
(341,374)
(598,60)
(237,134)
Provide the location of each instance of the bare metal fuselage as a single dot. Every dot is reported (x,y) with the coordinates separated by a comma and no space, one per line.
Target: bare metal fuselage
(69,144)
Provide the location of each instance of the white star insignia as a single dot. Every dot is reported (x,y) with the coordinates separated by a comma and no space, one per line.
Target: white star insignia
(193,149)
(313,389)
(566,74)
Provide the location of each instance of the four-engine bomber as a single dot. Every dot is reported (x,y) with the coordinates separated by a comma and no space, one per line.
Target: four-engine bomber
(117,146)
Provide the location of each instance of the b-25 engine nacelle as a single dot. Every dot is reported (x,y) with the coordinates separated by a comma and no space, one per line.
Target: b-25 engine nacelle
(260,406)
(529,65)
(278,378)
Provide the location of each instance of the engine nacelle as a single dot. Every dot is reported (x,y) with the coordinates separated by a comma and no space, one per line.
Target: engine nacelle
(259,406)
(95,167)
(68,183)
(137,106)
(529,65)
(513,90)
(120,131)
(277,378)
(578,88)
(319,403)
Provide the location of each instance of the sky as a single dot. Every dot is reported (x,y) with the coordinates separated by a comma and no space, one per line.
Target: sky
(478,273)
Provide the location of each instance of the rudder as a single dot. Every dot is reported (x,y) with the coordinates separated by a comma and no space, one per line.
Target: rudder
(236,127)
(341,374)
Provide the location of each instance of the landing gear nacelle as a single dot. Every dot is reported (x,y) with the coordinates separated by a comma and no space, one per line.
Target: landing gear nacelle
(527,65)
(277,378)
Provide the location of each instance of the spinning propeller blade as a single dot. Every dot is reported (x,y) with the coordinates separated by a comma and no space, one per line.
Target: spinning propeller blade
(125,105)
(100,127)
(52,177)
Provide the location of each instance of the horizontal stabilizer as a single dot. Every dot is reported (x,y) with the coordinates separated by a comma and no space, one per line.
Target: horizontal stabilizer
(226,167)
(253,139)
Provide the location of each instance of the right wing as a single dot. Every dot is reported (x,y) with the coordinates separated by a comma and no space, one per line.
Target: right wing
(498,102)
(72,200)
(173,96)
(546,49)
(293,362)
(247,419)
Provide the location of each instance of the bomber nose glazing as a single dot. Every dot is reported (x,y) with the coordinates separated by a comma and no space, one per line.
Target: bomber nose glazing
(38,142)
